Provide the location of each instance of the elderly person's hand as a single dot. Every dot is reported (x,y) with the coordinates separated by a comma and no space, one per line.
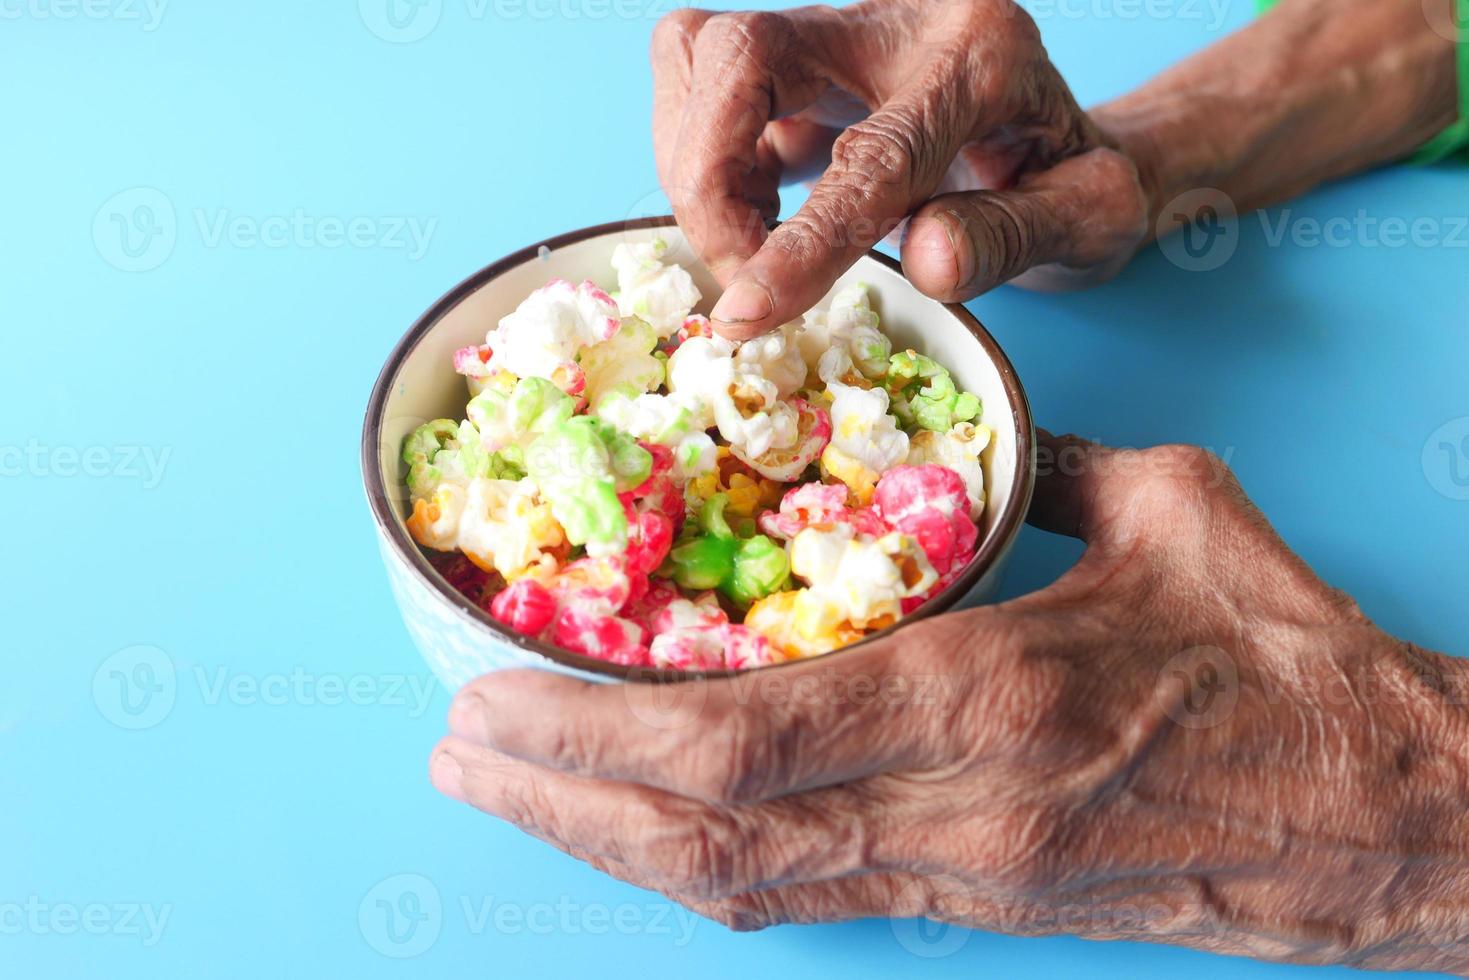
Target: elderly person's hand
(952,114)
(895,100)
(1189,738)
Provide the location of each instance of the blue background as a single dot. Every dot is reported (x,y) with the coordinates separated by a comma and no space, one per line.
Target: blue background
(262,819)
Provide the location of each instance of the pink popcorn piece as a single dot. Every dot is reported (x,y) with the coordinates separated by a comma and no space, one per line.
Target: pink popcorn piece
(594,584)
(650,535)
(658,493)
(612,323)
(472,361)
(819,505)
(929,504)
(695,325)
(526,606)
(570,378)
(726,646)
(602,635)
(702,611)
(804,506)
(646,609)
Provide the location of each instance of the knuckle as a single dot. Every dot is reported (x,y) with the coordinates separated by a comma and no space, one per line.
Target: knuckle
(877,150)
(751,758)
(1169,477)
(1029,697)
(704,856)
(749,36)
(676,30)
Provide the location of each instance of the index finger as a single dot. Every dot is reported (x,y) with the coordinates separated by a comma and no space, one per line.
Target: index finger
(881,169)
(741,739)
(748,68)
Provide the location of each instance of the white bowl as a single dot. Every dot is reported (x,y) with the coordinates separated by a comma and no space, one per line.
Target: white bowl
(459,640)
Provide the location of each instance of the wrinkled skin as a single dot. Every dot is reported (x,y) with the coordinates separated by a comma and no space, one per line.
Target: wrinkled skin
(896,101)
(1188,738)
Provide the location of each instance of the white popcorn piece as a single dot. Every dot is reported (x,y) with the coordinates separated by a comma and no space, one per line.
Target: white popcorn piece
(669,420)
(745,405)
(848,323)
(660,293)
(861,579)
(775,356)
(548,329)
(861,427)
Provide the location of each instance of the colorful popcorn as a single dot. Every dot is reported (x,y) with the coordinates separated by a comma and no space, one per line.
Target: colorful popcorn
(629,486)
(929,504)
(652,290)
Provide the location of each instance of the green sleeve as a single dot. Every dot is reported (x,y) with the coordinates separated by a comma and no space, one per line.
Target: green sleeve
(1454,140)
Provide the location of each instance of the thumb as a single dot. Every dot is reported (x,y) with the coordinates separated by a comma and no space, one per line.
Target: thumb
(1070,473)
(1079,221)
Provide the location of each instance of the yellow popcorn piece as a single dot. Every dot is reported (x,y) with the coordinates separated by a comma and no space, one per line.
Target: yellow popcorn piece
(800,623)
(859,479)
(500,525)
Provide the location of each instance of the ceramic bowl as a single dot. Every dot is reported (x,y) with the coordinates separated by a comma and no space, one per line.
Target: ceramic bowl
(459,640)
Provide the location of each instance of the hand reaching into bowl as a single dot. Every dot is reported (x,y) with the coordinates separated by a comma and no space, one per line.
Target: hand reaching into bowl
(953,115)
(1189,738)
(895,100)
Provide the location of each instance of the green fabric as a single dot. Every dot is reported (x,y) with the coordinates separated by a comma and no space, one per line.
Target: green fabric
(1454,140)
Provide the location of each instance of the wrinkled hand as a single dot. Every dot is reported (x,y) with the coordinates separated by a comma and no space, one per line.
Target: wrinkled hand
(896,101)
(1187,738)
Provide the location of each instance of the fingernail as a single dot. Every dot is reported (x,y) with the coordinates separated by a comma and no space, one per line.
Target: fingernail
(469,717)
(745,300)
(447,775)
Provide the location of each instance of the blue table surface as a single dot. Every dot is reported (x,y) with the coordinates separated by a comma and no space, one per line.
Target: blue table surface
(217,220)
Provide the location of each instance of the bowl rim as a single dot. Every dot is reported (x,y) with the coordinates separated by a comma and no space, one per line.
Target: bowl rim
(1007,525)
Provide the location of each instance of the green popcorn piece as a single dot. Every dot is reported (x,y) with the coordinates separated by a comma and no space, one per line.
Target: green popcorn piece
(923,393)
(743,568)
(580,465)
(631,464)
(517,417)
(591,514)
(421,452)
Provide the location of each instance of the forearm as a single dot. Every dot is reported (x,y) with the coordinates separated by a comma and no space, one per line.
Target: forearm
(1312,91)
